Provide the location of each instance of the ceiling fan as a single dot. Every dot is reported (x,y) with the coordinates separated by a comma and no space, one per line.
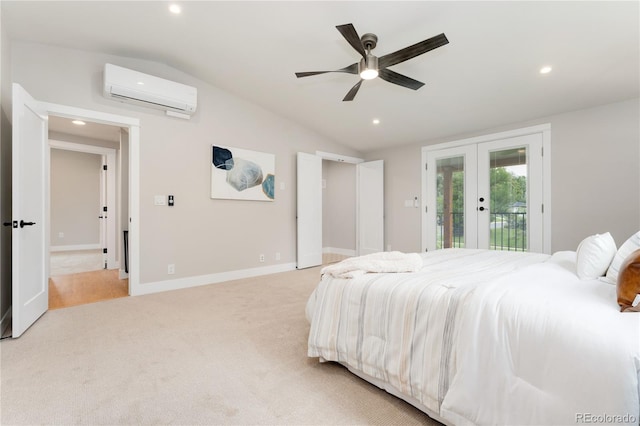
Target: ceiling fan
(371,66)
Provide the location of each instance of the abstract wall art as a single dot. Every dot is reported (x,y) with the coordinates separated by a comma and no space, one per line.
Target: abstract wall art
(242,174)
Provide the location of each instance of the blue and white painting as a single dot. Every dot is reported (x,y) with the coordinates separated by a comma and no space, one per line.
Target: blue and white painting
(242,174)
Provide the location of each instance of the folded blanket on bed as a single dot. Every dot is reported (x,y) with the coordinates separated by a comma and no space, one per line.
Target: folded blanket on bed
(388,261)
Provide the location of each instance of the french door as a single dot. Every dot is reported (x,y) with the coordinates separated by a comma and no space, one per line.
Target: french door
(486,195)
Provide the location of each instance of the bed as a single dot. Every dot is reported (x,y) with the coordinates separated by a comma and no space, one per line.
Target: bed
(486,337)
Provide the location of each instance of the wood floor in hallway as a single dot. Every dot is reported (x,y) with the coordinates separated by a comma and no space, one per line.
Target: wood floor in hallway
(86,287)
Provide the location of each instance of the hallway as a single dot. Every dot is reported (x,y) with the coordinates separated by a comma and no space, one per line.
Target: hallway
(86,287)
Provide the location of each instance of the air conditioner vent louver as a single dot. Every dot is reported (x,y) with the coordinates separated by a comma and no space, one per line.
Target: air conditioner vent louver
(142,89)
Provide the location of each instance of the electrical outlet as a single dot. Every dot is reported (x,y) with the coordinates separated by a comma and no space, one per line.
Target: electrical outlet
(277,255)
(262,258)
(171,269)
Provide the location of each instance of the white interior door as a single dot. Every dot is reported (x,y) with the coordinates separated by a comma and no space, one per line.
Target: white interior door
(370,207)
(107,213)
(103,211)
(30,206)
(309,210)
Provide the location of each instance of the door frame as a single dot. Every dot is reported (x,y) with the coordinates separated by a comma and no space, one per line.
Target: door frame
(133,127)
(109,155)
(544,129)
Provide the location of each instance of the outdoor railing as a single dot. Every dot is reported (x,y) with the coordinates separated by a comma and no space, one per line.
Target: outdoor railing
(507,231)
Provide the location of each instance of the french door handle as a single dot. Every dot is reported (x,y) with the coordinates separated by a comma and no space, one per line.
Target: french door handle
(23,223)
(6,223)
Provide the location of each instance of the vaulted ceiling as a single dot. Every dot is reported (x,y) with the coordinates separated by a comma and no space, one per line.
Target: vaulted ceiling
(487,76)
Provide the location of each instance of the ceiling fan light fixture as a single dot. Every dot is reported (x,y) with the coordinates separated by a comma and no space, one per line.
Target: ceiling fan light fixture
(368,67)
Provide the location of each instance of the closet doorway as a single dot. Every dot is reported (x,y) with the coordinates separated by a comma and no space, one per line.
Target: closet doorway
(361,199)
(338,211)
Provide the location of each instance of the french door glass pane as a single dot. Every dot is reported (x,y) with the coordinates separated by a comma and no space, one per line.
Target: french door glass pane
(450,202)
(508,199)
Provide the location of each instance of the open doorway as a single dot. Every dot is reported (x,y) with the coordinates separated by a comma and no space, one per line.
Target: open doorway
(88,211)
(338,210)
(368,202)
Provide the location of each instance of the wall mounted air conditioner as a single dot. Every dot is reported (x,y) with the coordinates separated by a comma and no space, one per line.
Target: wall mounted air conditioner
(138,88)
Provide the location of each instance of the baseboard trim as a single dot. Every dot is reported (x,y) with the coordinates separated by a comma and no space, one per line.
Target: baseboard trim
(75,247)
(182,283)
(122,274)
(335,250)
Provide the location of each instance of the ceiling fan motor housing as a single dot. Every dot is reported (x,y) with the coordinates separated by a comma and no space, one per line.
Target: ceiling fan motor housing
(369,41)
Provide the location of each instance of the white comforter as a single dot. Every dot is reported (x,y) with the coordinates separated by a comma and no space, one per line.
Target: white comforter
(386,261)
(482,337)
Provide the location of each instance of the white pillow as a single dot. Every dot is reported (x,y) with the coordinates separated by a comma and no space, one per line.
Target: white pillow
(594,255)
(629,246)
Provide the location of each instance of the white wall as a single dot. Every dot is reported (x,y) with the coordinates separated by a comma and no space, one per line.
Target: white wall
(595,177)
(199,235)
(75,198)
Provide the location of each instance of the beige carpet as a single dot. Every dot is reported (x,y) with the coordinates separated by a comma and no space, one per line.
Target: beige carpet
(228,353)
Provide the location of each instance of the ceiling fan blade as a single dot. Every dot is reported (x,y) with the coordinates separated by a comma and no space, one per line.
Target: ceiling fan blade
(399,79)
(349,32)
(412,51)
(351,69)
(353,91)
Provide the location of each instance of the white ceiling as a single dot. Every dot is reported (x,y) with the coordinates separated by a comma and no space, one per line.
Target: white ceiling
(487,76)
(91,130)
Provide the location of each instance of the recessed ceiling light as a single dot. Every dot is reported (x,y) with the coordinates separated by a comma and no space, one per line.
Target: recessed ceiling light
(545,70)
(175,9)
(140,83)
(376,121)
(78,122)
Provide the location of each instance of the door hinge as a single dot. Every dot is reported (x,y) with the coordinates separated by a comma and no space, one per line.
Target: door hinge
(542,208)
(104,167)
(104,209)
(426,209)
(542,151)
(104,250)
(426,166)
